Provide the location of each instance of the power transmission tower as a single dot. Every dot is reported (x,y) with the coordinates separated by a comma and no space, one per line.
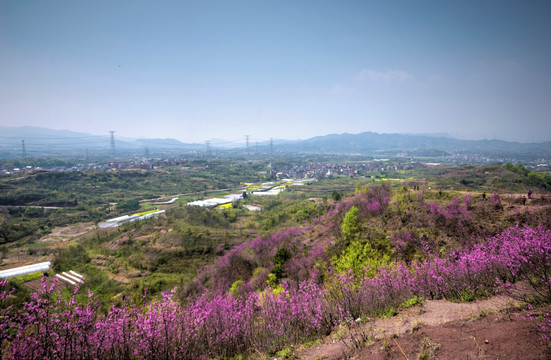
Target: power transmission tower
(247,137)
(271,146)
(146,152)
(23,150)
(87,157)
(113,151)
(207,148)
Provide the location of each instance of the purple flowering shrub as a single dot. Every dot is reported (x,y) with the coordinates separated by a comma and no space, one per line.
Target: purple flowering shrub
(542,320)
(249,261)
(454,219)
(374,202)
(515,255)
(218,325)
(462,221)
(545,326)
(410,244)
(214,325)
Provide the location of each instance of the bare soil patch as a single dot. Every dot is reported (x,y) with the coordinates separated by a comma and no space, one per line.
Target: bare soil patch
(37,285)
(64,233)
(494,336)
(484,329)
(438,312)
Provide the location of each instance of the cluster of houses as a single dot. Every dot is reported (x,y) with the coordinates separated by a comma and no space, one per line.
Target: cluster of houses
(324,170)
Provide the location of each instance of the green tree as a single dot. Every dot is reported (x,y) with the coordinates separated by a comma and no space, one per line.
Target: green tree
(350,228)
(280,258)
(519,169)
(362,259)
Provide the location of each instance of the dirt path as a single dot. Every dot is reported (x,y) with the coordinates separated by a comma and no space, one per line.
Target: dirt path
(438,312)
(432,313)
(495,336)
(38,206)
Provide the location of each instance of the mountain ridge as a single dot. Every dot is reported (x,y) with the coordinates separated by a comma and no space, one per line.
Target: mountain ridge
(50,141)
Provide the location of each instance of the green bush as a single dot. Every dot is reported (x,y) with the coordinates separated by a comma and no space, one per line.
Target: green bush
(70,258)
(234,288)
(362,259)
(350,228)
(28,277)
(129,205)
(411,302)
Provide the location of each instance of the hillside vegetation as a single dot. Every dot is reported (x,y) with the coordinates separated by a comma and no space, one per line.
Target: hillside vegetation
(200,283)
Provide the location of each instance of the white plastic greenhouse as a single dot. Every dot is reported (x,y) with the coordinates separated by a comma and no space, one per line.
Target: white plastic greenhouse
(23,270)
(70,277)
(115,222)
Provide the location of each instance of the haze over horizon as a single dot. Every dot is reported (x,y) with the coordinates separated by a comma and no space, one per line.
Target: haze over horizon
(288,70)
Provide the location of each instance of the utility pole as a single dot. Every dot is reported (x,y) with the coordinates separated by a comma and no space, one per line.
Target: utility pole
(113,151)
(23,150)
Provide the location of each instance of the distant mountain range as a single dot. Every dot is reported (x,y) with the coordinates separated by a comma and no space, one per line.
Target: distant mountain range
(47,142)
(370,142)
(42,142)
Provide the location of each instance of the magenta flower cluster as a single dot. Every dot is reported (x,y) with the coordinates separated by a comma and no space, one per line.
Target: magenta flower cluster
(219,325)
(516,255)
(213,326)
(241,262)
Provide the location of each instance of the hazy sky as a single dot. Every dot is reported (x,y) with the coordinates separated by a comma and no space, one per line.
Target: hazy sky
(278,69)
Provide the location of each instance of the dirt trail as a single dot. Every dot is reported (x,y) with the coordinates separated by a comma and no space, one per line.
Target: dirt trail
(438,312)
(431,313)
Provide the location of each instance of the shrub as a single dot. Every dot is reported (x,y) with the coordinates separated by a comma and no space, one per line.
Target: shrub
(350,228)
(129,205)
(411,302)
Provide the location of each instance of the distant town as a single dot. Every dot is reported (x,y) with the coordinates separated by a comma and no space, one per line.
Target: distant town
(290,168)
